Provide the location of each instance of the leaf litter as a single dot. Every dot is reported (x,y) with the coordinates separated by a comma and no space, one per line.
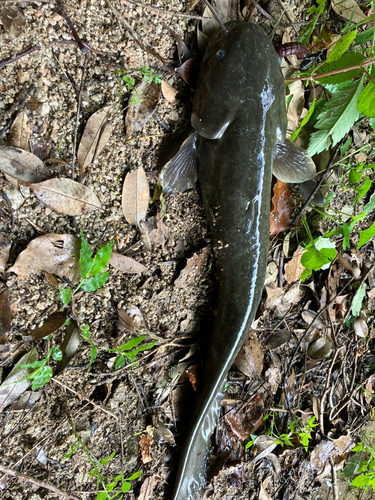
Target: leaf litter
(161,244)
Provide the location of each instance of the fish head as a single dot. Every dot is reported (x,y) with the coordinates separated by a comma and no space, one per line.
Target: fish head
(237,68)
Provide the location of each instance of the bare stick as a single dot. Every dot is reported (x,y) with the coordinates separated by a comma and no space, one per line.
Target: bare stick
(78,113)
(335,489)
(83,48)
(47,486)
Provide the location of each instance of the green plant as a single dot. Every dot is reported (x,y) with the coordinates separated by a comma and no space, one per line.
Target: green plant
(362,465)
(43,372)
(146,74)
(92,270)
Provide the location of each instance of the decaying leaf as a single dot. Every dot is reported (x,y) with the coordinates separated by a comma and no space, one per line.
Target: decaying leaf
(281,209)
(12,20)
(281,300)
(12,387)
(19,133)
(193,269)
(50,325)
(54,253)
(145,442)
(348,9)
(66,196)
(168,91)
(230,450)
(250,358)
(187,71)
(147,488)
(296,105)
(22,165)
(126,264)
(274,378)
(5,245)
(132,319)
(163,434)
(263,495)
(27,400)
(192,373)
(70,345)
(135,196)
(320,348)
(94,138)
(143,102)
(245,419)
(154,233)
(294,268)
(5,316)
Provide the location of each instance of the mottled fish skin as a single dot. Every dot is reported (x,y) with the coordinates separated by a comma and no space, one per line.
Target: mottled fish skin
(239,114)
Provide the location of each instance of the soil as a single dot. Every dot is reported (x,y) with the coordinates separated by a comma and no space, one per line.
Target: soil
(137,413)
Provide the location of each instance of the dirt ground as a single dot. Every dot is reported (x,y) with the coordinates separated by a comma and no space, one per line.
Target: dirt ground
(138,412)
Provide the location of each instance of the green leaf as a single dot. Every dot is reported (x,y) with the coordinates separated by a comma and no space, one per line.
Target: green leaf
(336,119)
(125,487)
(43,376)
(56,354)
(317,11)
(346,60)
(354,176)
(92,284)
(364,37)
(36,364)
(85,257)
(101,496)
(358,299)
(360,481)
(94,353)
(366,101)
(342,46)
(119,363)
(101,259)
(366,235)
(371,122)
(140,349)
(364,189)
(135,476)
(352,464)
(358,447)
(366,210)
(320,254)
(344,148)
(65,295)
(304,121)
(130,344)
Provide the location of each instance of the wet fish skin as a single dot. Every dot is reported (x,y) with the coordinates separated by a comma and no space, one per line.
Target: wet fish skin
(239,115)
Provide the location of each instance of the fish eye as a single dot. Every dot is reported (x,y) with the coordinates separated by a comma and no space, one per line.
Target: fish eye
(220,54)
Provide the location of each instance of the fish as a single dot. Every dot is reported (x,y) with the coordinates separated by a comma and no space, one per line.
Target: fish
(239,121)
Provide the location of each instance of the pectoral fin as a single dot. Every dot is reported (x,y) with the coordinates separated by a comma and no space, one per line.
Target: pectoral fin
(292,164)
(180,173)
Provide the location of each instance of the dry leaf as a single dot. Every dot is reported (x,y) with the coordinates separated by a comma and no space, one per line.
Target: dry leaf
(294,268)
(347,9)
(274,378)
(5,316)
(94,138)
(296,105)
(147,488)
(154,233)
(50,325)
(281,300)
(27,400)
(187,71)
(245,419)
(360,326)
(5,245)
(132,319)
(54,253)
(66,196)
(281,209)
(22,165)
(19,133)
(12,20)
(70,345)
(126,264)
(320,348)
(263,495)
(135,196)
(11,389)
(143,103)
(193,269)
(145,442)
(168,91)
(192,373)
(250,358)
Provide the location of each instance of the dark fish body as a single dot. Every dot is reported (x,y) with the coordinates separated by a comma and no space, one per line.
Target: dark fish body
(239,115)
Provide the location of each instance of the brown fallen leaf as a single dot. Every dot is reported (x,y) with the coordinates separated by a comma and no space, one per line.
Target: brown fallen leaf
(95,137)
(193,269)
(135,196)
(168,91)
(245,419)
(69,346)
(263,495)
(50,325)
(5,316)
(126,264)
(192,373)
(27,400)
(147,488)
(188,70)
(22,165)
(54,253)
(12,20)
(145,442)
(132,319)
(143,102)
(250,358)
(19,133)
(154,233)
(230,450)
(294,268)
(281,209)
(66,196)
(12,387)
(348,9)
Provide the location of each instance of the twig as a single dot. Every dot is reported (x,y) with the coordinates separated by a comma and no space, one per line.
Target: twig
(262,11)
(166,12)
(78,113)
(335,489)
(41,484)
(26,52)
(123,21)
(83,47)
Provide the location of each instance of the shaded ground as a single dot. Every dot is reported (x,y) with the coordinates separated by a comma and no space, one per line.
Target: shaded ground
(138,413)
